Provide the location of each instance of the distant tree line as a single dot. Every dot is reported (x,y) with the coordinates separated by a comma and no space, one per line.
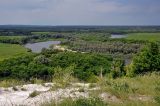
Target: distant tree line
(31,38)
(107,29)
(112,47)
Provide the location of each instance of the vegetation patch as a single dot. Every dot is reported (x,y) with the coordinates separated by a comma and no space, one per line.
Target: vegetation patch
(144,36)
(78,102)
(34,94)
(11,50)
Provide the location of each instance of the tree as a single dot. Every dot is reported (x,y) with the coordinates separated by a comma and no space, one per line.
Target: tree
(41,59)
(117,68)
(146,61)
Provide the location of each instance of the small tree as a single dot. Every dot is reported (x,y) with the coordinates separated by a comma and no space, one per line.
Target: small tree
(117,68)
(41,59)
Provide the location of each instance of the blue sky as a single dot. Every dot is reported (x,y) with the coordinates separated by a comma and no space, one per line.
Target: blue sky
(80,12)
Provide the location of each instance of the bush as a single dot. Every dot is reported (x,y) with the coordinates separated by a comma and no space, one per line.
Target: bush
(15,88)
(89,102)
(78,102)
(86,66)
(157,99)
(34,94)
(147,60)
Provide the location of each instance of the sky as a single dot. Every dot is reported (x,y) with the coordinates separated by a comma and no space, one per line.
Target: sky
(80,12)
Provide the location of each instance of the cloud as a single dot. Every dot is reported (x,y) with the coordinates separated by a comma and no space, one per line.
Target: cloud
(79,12)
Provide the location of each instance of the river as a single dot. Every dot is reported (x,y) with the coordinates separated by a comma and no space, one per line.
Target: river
(37,47)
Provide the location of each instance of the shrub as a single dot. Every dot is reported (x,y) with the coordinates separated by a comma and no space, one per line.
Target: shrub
(89,102)
(34,94)
(78,102)
(157,99)
(147,60)
(15,88)
(23,89)
(117,68)
(87,66)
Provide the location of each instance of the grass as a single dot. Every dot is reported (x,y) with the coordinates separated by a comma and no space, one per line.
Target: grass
(11,50)
(78,102)
(134,103)
(141,85)
(123,88)
(144,36)
(12,37)
(132,91)
(43,33)
(10,83)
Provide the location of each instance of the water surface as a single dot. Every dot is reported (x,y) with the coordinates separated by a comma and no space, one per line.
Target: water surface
(37,47)
(118,36)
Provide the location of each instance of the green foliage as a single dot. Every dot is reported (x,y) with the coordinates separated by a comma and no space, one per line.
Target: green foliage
(123,87)
(78,102)
(84,66)
(144,36)
(87,65)
(112,47)
(117,68)
(12,39)
(157,99)
(90,102)
(11,50)
(63,77)
(10,83)
(41,59)
(147,60)
(23,67)
(34,94)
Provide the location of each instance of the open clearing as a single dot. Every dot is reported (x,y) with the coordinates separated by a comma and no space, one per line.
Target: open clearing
(11,50)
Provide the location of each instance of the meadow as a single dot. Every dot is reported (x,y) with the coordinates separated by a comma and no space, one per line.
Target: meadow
(11,37)
(144,36)
(11,50)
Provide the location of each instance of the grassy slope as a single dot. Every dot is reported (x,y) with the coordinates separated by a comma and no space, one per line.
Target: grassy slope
(144,36)
(126,88)
(147,85)
(10,50)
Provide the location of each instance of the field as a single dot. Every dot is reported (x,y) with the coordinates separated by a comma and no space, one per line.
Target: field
(10,50)
(144,36)
(12,37)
